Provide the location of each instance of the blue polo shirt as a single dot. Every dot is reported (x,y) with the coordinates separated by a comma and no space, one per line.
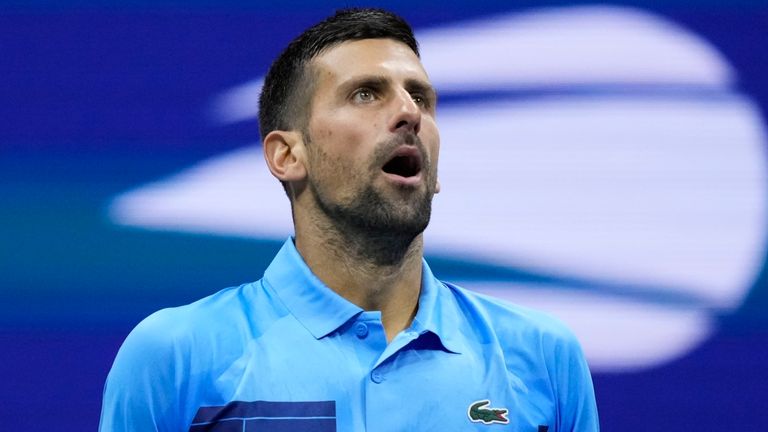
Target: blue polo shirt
(286,353)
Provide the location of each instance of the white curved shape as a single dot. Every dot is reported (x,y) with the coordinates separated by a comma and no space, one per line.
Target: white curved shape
(233,195)
(668,193)
(570,46)
(586,45)
(237,104)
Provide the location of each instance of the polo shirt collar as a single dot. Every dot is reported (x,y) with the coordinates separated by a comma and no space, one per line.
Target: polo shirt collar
(317,307)
(321,310)
(438,312)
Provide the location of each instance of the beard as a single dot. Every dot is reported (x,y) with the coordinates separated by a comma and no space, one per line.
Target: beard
(377,226)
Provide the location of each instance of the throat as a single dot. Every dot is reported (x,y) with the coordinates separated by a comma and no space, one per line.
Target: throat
(391,289)
(375,253)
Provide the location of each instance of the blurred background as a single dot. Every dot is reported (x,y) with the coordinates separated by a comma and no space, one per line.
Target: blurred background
(605,162)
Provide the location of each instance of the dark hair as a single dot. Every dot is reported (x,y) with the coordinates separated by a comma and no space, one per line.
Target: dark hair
(288,86)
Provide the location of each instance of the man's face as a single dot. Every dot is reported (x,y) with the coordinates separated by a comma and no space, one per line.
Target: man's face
(372,138)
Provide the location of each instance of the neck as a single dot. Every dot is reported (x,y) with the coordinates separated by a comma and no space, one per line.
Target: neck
(374,272)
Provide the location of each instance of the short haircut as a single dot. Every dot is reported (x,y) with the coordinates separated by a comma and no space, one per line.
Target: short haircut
(289,85)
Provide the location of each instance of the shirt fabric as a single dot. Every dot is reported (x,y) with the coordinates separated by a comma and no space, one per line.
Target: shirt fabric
(286,353)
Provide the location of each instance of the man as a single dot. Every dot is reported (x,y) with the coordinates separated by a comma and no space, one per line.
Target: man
(349,330)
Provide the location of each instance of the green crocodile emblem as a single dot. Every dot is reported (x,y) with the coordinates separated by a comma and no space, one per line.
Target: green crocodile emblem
(480,414)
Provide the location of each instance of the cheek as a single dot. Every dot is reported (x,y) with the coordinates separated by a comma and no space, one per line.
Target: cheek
(431,138)
(320,134)
(341,134)
(334,157)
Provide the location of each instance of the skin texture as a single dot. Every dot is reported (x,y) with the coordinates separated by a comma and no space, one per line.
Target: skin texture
(357,227)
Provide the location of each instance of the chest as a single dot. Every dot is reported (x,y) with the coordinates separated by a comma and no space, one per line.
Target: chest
(355,381)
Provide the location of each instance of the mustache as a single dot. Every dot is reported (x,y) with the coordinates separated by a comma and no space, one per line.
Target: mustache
(385,149)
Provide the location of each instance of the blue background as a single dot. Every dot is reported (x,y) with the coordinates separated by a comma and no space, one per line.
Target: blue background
(97,97)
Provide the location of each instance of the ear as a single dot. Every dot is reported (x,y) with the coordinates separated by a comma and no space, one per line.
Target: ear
(285,155)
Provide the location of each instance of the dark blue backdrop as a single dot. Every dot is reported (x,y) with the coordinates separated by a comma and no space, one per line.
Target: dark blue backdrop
(97,97)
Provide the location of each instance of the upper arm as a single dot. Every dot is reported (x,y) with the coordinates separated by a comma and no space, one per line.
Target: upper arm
(577,410)
(142,388)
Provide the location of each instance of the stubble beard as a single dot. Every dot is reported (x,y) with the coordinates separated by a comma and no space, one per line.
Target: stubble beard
(373,227)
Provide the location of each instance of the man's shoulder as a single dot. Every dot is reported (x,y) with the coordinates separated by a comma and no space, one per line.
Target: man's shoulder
(511,320)
(154,366)
(224,312)
(213,307)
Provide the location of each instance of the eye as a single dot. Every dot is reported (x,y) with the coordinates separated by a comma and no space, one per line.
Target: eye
(421,100)
(364,95)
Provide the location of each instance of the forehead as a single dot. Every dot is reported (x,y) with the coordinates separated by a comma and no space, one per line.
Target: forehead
(385,57)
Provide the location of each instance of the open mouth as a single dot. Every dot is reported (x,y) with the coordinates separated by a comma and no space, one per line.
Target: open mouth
(405,163)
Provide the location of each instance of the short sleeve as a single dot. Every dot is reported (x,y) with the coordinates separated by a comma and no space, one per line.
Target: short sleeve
(143,387)
(577,408)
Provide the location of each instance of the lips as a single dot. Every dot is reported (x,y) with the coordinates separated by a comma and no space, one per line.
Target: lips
(404,162)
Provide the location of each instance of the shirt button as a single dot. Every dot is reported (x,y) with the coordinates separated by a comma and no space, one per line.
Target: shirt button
(377,377)
(361,330)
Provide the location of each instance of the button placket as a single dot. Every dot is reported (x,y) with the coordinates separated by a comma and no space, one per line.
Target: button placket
(377,376)
(361,330)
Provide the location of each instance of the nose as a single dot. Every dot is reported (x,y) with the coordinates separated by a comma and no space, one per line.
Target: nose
(407,115)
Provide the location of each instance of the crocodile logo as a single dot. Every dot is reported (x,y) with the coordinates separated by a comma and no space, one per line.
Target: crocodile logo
(478,413)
